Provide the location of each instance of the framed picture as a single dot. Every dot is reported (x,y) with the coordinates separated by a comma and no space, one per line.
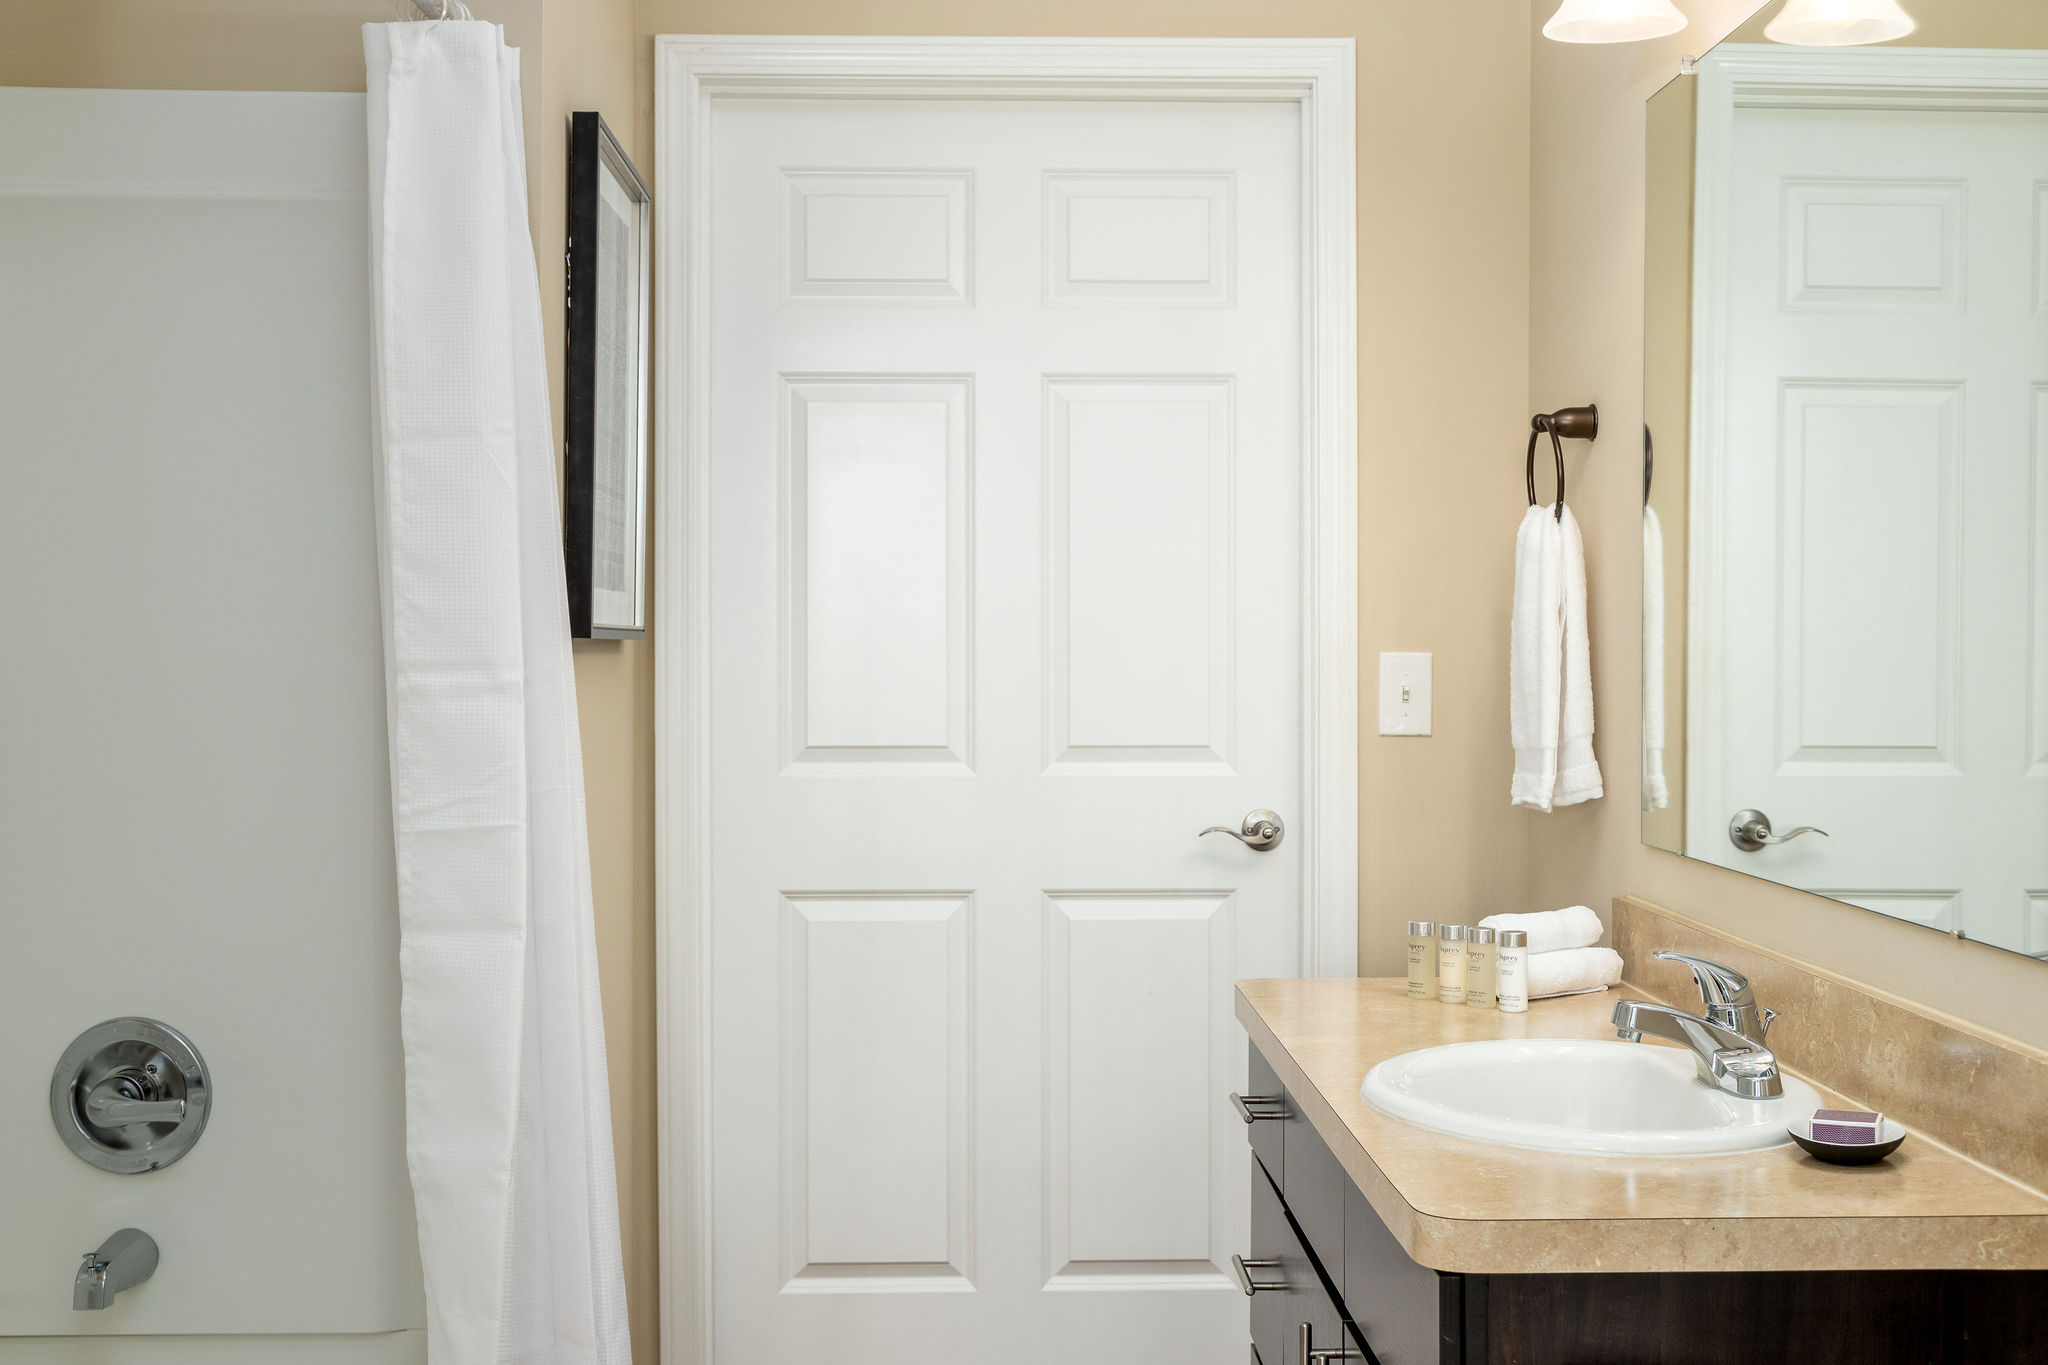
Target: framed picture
(604,392)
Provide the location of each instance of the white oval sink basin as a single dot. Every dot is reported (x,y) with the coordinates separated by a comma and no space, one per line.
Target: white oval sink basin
(1580,1095)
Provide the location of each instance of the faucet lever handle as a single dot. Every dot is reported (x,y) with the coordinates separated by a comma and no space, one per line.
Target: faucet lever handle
(1726,993)
(1719,983)
(125,1099)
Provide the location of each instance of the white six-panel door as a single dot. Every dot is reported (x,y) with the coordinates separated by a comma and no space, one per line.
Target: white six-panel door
(1881,573)
(1005,434)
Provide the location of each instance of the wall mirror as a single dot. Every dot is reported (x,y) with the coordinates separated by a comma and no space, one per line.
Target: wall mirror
(1845,469)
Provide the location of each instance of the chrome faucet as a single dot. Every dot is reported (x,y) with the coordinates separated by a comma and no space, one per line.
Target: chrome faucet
(123,1261)
(1727,1044)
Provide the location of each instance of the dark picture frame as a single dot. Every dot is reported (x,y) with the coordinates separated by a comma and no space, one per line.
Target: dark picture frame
(604,387)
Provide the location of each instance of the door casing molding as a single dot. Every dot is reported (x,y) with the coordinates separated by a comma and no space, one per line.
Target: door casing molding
(690,73)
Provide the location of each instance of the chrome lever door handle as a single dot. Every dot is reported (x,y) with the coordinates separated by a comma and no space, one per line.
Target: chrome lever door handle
(1750,830)
(1262,830)
(1243,1270)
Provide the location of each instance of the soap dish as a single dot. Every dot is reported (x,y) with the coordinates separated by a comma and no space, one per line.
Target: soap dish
(1890,1135)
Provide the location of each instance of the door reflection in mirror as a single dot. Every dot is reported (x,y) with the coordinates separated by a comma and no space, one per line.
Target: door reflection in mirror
(1845,527)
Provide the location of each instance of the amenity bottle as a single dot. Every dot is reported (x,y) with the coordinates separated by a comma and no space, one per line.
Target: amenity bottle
(1450,964)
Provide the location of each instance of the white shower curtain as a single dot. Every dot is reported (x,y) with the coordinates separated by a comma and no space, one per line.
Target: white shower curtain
(508,1127)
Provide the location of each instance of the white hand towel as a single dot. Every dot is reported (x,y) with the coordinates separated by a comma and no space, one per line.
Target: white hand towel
(1550,931)
(1536,658)
(1656,795)
(1574,971)
(1578,772)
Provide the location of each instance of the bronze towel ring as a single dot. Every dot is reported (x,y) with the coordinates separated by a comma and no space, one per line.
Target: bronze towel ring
(1649,462)
(1580,424)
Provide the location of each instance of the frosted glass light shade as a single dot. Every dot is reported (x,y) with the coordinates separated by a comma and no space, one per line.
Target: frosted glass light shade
(1613,21)
(1838,23)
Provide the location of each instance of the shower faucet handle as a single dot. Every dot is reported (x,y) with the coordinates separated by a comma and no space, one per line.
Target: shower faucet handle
(130,1095)
(127,1098)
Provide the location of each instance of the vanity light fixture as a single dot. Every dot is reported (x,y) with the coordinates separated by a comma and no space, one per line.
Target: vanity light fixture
(1613,21)
(1838,23)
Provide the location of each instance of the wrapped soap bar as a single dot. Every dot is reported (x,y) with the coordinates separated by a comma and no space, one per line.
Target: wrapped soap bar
(1849,1127)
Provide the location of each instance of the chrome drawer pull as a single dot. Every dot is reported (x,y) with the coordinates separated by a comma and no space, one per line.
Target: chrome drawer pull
(1276,1107)
(1311,1355)
(1244,1269)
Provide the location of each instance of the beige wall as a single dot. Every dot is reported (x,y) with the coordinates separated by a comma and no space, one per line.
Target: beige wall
(575,54)
(1443,330)
(1586,343)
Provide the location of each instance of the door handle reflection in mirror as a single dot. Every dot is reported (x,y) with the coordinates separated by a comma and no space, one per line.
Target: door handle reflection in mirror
(1262,830)
(1750,830)
(1243,1270)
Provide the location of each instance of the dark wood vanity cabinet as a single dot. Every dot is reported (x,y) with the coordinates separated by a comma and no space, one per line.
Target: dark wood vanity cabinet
(1296,1308)
(1340,1270)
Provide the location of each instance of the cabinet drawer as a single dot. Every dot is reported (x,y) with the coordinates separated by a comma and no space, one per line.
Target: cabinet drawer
(1299,1306)
(1410,1313)
(1265,1133)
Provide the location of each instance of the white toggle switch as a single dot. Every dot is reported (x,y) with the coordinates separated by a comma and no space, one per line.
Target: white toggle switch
(1404,694)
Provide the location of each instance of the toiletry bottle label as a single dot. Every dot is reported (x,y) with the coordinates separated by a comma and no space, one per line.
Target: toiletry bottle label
(1450,971)
(1511,979)
(1421,968)
(1479,975)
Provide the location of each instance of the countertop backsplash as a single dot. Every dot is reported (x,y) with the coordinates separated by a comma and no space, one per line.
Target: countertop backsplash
(1984,1095)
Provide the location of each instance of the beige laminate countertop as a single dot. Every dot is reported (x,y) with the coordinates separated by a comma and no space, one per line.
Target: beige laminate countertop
(1459,1205)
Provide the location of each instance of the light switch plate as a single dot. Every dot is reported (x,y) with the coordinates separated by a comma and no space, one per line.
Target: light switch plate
(1404,694)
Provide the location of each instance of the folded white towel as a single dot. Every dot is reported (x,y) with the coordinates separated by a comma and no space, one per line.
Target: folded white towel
(1574,971)
(1578,772)
(1656,795)
(1536,658)
(1551,931)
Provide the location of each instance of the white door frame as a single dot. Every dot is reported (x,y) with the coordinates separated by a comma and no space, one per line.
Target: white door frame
(1750,75)
(690,72)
